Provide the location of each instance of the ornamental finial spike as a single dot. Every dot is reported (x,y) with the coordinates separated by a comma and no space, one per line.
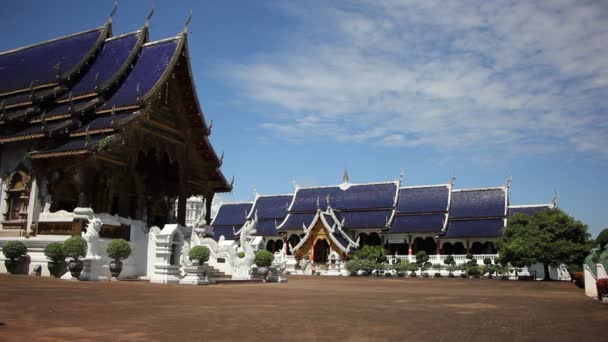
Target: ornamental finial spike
(508,184)
(232,182)
(187,23)
(149,17)
(401,175)
(113,11)
(345,177)
(453,179)
(555,198)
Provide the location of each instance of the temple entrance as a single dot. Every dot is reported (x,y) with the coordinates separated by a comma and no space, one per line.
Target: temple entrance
(321,251)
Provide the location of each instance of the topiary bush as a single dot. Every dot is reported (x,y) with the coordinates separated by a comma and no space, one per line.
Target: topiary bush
(602,288)
(13,250)
(54,251)
(200,253)
(119,249)
(75,247)
(373,253)
(602,238)
(263,258)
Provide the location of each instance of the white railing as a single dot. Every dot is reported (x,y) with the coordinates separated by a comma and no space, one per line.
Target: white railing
(438,259)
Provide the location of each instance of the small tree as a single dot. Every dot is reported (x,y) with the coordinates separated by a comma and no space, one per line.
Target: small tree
(263,258)
(75,247)
(200,254)
(602,239)
(550,237)
(451,264)
(14,250)
(422,259)
(54,251)
(374,253)
(119,249)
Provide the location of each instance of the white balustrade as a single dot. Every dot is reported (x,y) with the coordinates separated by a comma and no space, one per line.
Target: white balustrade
(439,259)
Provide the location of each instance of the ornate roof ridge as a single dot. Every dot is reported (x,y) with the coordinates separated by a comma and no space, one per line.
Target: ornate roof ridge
(124,35)
(502,187)
(350,185)
(447,185)
(165,40)
(531,205)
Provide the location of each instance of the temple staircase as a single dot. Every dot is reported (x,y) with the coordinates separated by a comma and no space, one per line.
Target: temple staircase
(218,277)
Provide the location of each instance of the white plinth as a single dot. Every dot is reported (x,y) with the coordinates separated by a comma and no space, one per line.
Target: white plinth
(164,274)
(195,275)
(92,270)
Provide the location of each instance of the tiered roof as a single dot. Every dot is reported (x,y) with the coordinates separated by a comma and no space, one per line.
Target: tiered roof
(422,209)
(429,209)
(356,206)
(270,211)
(229,219)
(477,212)
(82,88)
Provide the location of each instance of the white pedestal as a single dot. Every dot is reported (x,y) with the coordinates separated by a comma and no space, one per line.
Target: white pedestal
(92,270)
(195,275)
(275,275)
(164,274)
(241,273)
(291,263)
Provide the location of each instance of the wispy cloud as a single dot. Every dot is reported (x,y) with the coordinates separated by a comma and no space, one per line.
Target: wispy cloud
(517,77)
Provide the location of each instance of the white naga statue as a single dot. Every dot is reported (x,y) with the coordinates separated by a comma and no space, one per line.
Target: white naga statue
(91,236)
(245,238)
(280,259)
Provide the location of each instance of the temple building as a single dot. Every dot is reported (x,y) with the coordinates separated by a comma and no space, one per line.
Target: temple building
(229,219)
(110,122)
(339,219)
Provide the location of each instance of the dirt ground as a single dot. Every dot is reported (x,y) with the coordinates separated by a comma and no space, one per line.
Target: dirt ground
(305,308)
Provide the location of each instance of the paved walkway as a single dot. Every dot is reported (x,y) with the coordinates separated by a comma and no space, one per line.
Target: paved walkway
(306,308)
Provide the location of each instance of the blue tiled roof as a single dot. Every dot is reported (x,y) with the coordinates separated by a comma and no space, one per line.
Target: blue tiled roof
(475,228)
(103,122)
(478,203)
(295,221)
(110,60)
(366,196)
(152,63)
(226,231)
(43,62)
(531,210)
(432,223)
(231,214)
(73,145)
(267,227)
(271,207)
(364,219)
(423,199)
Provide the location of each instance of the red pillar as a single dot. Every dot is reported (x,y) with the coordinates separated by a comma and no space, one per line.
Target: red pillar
(468,248)
(409,245)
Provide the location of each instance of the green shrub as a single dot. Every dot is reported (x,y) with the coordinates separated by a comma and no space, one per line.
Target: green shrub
(200,253)
(403,266)
(353,265)
(487,261)
(374,253)
(474,271)
(54,251)
(14,250)
(240,255)
(602,238)
(119,249)
(263,258)
(75,247)
(449,260)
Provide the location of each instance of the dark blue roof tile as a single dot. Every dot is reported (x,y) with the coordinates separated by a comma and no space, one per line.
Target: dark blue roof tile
(271,207)
(295,221)
(152,63)
(490,228)
(366,196)
(423,199)
(226,231)
(42,63)
(364,219)
(267,227)
(478,203)
(231,214)
(432,223)
(113,56)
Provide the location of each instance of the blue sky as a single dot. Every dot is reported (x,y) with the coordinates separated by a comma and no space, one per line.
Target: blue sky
(300,90)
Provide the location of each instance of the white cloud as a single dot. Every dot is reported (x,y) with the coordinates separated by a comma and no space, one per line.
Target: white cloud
(514,76)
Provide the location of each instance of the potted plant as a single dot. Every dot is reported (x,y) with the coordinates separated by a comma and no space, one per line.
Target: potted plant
(488,267)
(75,248)
(450,265)
(54,251)
(14,252)
(438,268)
(196,274)
(118,250)
(263,260)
